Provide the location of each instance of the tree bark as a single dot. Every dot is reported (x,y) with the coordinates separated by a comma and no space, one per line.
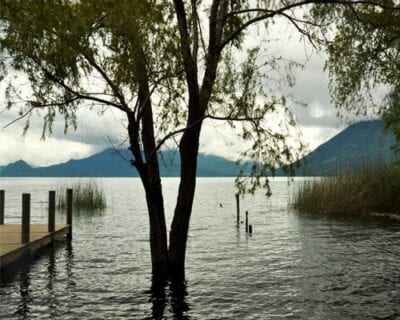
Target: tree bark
(189,145)
(153,188)
(158,234)
(142,122)
(188,149)
(183,210)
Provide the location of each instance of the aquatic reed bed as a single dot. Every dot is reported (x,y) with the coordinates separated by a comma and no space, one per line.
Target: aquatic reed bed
(364,190)
(87,195)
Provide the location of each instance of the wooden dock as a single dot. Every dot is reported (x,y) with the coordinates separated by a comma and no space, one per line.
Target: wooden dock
(11,248)
(18,241)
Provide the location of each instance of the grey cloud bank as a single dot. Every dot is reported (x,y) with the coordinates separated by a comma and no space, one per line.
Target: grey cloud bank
(317,121)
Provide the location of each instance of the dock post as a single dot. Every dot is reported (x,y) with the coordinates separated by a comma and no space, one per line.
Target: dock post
(250,229)
(247,221)
(1,206)
(52,214)
(237,209)
(26,213)
(69,212)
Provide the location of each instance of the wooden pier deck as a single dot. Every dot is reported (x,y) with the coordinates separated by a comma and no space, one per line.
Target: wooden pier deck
(21,240)
(11,248)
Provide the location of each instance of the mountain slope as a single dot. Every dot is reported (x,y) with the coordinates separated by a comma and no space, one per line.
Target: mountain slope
(360,144)
(109,163)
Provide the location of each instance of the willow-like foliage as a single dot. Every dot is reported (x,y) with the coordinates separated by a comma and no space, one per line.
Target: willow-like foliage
(170,65)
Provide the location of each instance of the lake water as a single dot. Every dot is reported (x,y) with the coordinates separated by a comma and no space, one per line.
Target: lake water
(294,266)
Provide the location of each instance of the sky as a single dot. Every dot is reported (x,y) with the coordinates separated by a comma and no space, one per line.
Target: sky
(317,121)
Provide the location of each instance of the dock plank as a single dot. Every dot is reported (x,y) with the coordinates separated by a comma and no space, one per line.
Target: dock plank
(11,248)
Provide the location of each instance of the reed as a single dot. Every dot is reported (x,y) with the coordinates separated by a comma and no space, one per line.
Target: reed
(363,190)
(87,195)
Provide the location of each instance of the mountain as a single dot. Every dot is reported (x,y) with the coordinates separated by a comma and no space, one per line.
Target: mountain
(20,168)
(362,143)
(110,163)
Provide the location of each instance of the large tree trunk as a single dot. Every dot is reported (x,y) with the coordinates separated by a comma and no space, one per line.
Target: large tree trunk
(150,176)
(189,147)
(149,168)
(158,234)
(153,189)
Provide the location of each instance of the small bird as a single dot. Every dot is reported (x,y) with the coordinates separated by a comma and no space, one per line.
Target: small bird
(220,205)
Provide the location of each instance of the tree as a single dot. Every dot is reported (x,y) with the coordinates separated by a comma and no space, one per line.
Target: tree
(170,87)
(364,58)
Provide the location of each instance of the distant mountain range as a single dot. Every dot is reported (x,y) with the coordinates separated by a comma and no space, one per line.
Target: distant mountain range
(110,163)
(361,143)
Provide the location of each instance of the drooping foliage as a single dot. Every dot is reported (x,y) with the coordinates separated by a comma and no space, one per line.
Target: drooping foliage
(75,52)
(170,66)
(364,56)
(85,53)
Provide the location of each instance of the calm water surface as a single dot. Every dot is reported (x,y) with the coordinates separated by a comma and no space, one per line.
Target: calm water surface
(292,267)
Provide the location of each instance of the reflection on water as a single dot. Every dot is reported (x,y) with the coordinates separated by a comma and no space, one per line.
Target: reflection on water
(23,307)
(19,277)
(292,267)
(168,294)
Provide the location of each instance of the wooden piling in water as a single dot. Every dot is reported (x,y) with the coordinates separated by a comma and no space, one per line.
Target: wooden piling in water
(250,229)
(1,206)
(69,211)
(26,217)
(247,221)
(52,211)
(237,209)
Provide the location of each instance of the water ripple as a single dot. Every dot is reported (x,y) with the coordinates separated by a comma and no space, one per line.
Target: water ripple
(292,267)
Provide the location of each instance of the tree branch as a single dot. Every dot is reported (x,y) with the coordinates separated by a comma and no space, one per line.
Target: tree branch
(18,118)
(79,95)
(188,61)
(172,134)
(181,130)
(230,118)
(271,13)
(112,85)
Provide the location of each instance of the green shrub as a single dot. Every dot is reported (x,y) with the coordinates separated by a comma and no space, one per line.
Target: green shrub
(87,195)
(368,189)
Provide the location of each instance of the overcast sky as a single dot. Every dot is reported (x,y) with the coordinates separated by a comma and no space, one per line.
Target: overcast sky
(317,121)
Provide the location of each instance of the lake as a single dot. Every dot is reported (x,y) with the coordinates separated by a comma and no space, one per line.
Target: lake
(294,266)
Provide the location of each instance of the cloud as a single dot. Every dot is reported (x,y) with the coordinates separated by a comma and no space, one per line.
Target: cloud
(40,153)
(318,121)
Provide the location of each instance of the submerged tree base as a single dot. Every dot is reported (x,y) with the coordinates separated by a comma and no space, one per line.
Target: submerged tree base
(363,190)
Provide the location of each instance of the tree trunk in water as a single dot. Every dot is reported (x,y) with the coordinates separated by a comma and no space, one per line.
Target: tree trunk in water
(158,234)
(180,225)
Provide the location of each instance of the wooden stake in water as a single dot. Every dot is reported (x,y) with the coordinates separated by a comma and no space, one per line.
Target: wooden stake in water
(52,211)
(69,212)
(26,217)
(1,206)
(247,221)
(237,209)
(250,229)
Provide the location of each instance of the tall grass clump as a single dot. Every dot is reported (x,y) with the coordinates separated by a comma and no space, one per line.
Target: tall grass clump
(87,195)
(364,190)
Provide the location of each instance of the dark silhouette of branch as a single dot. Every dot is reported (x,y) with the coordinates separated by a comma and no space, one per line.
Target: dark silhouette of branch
(230,118)
(172,134)
(18,118)
(113,86)
(271,13)
(79,95)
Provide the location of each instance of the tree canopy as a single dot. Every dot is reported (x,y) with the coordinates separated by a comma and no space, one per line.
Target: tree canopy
(364,61)
(168,66)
